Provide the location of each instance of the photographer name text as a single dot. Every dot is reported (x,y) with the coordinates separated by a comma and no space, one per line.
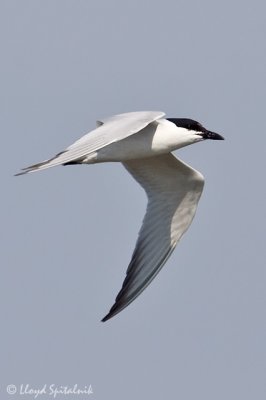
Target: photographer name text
(51,390)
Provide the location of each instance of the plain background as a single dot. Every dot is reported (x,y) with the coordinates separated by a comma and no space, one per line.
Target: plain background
(67,234)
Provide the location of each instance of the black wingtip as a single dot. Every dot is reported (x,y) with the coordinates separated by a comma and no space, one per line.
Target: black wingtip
(113,311)
(105,318)
(22,172)
(27,170)
(108,316)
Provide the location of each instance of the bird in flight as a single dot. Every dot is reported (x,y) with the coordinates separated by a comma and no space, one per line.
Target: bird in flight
(143,142)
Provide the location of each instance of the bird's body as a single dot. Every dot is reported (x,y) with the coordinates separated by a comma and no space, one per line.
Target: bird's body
(159,137)
(143,142)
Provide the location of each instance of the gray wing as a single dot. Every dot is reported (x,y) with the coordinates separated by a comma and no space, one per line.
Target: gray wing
(173,189)
(108,131)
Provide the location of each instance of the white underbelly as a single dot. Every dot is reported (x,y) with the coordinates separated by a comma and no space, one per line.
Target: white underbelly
(148,142)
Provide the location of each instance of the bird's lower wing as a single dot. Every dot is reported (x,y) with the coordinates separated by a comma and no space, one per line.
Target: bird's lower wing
(108,131)
(173,189)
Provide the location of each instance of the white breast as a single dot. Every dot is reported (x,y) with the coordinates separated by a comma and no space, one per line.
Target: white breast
(159,137)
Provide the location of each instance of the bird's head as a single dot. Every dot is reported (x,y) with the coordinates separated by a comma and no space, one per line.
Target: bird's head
(192,131)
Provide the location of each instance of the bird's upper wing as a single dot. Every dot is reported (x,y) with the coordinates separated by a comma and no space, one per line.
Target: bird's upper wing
(108,131)
(173,189)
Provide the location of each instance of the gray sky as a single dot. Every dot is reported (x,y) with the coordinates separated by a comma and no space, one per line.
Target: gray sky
(198,331)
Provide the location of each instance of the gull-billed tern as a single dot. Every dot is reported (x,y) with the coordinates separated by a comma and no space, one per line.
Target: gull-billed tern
(143,142)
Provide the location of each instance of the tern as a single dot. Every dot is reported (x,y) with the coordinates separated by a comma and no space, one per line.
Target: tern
(143,142)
